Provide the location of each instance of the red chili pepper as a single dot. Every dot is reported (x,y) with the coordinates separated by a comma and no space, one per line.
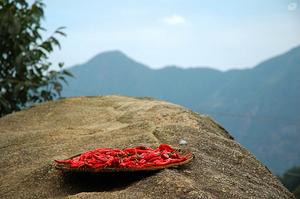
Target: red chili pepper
(165,156)
(166,147)
(137,157)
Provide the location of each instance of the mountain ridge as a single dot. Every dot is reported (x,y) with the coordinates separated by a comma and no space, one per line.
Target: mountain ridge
(118,53)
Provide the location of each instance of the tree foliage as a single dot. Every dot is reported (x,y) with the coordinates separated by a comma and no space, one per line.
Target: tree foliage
(291,180)
(297,192)
(25,77)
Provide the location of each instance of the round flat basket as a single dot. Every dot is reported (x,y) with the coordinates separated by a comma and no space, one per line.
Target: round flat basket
(67,168)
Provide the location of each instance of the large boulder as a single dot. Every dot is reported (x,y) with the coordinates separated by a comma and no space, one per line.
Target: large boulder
(31,139)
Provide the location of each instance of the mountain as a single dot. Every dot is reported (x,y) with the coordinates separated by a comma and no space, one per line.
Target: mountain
(259,106)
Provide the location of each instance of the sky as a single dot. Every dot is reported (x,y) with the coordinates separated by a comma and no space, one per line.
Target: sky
(222,34)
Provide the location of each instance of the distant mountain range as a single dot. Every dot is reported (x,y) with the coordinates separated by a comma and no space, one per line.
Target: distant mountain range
(259,106)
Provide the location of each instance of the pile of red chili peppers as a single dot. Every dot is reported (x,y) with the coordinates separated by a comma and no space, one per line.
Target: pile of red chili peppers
(137,157)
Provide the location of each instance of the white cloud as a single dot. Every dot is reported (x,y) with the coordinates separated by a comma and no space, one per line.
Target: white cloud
(174,20)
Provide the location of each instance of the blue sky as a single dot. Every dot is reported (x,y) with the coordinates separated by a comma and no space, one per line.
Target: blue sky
(222,34)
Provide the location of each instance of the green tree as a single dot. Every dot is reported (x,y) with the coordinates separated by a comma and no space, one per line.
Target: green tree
(297,192)
(291,180)
(25,77)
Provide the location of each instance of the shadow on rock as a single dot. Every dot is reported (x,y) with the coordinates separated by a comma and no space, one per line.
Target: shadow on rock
(97,182)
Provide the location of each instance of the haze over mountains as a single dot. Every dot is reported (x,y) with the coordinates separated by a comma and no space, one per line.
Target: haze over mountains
(259,106)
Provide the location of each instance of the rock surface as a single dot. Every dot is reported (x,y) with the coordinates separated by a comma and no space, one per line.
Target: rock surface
(31,139)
